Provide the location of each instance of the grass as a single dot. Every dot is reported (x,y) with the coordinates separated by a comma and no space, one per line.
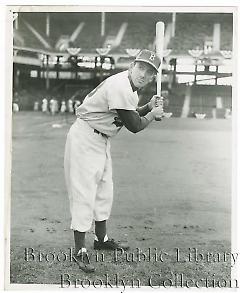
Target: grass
(172,189)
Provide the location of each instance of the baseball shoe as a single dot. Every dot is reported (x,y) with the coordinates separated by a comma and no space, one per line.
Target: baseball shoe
(83,262)
(110,244)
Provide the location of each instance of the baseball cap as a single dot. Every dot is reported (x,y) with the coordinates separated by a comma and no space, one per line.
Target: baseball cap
(149,57)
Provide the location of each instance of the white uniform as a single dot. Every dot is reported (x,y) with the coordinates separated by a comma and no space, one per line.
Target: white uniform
(44,105)
(63,107)
(70,106)
(15,107)
(36,106)
(53,105)
(87,161)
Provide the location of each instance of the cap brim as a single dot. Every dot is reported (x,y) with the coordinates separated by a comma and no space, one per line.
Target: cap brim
(148,62)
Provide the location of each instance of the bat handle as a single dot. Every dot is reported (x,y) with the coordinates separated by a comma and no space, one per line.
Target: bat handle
(159,118)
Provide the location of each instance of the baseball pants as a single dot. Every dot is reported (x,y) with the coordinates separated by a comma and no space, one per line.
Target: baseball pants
(88,175)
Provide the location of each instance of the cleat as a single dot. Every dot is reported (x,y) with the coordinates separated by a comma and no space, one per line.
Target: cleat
(110,244)
(83,262)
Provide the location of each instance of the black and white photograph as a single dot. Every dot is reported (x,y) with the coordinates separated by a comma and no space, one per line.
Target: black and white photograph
(121,166)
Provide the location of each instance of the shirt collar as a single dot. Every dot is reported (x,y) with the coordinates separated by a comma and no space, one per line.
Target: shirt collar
(134,88)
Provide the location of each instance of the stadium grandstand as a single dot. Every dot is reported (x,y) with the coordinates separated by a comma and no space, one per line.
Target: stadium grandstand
(65,54)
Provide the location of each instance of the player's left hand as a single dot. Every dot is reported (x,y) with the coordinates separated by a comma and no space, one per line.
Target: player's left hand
(156,101)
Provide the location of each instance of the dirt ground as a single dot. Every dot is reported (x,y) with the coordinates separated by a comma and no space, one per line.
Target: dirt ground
(172,192)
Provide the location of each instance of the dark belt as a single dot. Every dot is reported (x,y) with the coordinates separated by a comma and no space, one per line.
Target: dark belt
(98,132)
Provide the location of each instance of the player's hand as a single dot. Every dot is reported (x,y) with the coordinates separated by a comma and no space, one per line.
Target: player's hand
(158,112)
(156,101)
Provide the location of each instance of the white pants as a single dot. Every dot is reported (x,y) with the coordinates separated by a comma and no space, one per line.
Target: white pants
(88,175)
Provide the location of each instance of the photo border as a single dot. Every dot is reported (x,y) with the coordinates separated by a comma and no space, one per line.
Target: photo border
(123,8)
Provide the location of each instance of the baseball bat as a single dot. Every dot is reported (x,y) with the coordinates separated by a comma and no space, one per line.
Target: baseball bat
(159,51)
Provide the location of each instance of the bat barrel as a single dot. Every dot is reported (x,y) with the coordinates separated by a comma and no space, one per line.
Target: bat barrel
(159,51)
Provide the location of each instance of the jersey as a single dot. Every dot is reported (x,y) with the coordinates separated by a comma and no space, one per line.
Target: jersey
(99,107)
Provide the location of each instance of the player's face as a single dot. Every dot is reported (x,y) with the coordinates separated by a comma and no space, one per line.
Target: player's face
(142,73)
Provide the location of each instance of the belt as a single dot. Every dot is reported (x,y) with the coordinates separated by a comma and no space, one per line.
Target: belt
(98,132)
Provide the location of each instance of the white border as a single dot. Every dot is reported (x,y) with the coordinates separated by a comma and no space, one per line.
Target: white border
(174,3)
(124,5)
(8,142)
(120,8)
(235,129)
(2,121)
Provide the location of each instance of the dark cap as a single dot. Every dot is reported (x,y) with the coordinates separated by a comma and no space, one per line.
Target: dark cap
(149,57)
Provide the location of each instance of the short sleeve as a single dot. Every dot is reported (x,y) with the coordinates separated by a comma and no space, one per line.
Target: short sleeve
(120,96)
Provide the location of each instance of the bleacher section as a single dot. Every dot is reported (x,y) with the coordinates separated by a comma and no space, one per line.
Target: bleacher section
(185,39)
(192,30)
(90,38)
(132,37)
(30,41)
(112,26)
(226,36)
(141,30)
(62,25)
(36,19)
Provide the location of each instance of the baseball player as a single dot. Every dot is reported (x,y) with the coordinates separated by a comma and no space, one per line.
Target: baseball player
(36,106)
(70,106)
(63,107)
(15,107)
(44,105)
(87,161)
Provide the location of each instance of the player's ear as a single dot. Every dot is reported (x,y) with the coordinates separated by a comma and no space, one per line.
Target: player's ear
(131,65)
(153,77)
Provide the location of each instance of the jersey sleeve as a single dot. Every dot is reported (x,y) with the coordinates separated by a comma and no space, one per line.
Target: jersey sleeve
(119,96)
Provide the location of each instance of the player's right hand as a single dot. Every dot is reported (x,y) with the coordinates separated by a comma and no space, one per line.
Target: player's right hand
(156,101)
(157,112)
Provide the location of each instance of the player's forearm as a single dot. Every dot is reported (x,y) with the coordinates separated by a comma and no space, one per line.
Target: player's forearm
(144,122)
(142,111)
(132,120)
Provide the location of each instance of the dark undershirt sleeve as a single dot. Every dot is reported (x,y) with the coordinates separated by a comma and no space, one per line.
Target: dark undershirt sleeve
(142,111)
(132,120)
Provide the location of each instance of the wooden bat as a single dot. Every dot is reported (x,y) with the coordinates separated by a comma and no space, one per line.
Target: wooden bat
(159,51)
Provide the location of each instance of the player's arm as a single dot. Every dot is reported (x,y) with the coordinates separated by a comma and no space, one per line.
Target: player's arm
(142,111)
(134,122)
